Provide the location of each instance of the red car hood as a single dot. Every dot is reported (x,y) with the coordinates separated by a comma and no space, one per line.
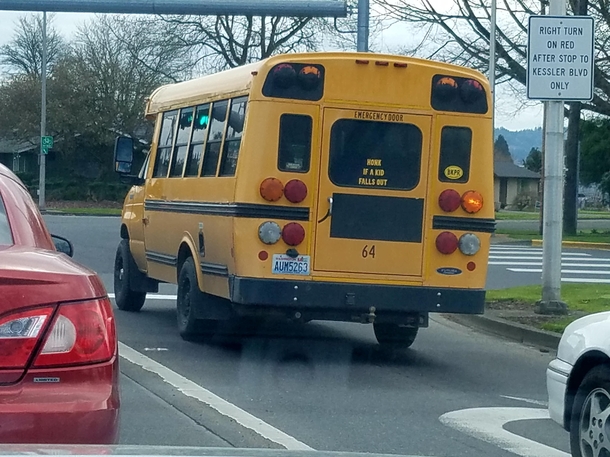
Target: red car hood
(31,276)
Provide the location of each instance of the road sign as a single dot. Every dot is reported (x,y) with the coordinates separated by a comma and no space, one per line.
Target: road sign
(47,143)
(560,58)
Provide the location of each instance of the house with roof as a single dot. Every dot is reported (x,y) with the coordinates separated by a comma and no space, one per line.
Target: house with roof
(19,156)
(511,180)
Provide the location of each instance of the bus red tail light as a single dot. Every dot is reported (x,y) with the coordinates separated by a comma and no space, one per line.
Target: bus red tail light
(472,201)
(295,191)
(272,189)
(82,333)
(284,75)
(446,243)
(449,200)
(293,234)
(19,334)
(471,91)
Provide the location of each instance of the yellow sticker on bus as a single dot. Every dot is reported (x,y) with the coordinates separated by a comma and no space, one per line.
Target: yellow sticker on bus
(453,172)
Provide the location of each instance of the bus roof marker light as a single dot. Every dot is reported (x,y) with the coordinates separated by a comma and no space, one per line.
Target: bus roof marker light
(446,243)
(382,63)
(272,189)
(400,65)
(472,201)
(295,191)
(449,200)
(362,61)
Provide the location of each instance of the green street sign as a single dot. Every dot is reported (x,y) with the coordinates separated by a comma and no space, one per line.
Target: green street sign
(47,143)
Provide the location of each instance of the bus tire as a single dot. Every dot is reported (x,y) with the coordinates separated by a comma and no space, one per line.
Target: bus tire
(394,336)
(188,300)
(125,268)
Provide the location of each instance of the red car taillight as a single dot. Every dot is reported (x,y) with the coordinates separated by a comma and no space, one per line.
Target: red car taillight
(81,333)
(19,333)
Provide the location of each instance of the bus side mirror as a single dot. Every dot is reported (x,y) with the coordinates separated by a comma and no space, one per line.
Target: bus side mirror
(123,155)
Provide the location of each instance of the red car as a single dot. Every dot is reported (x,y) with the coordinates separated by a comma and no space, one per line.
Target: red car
(58,346)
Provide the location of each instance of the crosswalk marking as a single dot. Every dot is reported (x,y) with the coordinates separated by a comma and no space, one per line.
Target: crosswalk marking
(575,266)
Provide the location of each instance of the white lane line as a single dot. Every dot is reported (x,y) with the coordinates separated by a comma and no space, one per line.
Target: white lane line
(597,265)
(153,297)
(587,280)
(526,400)
(569,272)
(190,389)
(537,254)
(537,257)
(487,424)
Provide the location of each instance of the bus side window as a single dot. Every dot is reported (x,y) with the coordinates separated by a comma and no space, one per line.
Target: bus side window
(456,145)
(200,129)
(181,144)
(294,149)
(235,130)
(165,143)
(215,136)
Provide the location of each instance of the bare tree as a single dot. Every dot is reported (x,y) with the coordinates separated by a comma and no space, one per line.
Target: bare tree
(23,54)
(458,32)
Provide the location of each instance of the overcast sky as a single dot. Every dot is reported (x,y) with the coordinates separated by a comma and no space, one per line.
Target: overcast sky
(509,114)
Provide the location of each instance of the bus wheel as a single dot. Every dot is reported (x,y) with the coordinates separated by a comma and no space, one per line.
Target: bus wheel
(125,267)
(189,298)
(393,336)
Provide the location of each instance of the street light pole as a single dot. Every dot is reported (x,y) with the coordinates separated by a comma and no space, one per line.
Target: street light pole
(43,115)
(492,61)
(553,194)
(363,26)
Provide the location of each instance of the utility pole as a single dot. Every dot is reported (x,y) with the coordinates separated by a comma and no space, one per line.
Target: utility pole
(363,26)
(570,209)
(43,116)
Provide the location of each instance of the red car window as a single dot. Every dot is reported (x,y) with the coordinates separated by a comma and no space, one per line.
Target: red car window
(6,237)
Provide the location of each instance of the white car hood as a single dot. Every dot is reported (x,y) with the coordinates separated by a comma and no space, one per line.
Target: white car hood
(586,334)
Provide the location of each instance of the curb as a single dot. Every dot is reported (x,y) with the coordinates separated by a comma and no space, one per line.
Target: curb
(577,244)
(510,330)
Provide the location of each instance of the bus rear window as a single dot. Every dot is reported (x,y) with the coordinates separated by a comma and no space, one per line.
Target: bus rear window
(296,81)
(295,143)
(375,154)
(456,144)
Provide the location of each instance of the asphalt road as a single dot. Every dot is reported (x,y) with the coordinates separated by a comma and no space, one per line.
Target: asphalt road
(322,385)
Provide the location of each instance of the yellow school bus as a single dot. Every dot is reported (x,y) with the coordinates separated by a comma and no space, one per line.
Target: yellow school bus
(322,186)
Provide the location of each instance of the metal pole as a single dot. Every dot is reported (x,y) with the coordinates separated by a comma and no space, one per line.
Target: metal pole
(492,61)
(363,26)
(43,115)
(553,193)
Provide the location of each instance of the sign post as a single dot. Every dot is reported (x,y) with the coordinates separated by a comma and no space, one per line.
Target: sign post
(560,68)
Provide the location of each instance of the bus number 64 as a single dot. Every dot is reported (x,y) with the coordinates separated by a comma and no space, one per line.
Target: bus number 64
(366,251)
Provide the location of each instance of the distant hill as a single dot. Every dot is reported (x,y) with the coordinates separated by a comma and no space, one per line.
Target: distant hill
(521,141)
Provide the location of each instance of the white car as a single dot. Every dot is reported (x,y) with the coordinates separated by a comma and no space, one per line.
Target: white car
(578,384)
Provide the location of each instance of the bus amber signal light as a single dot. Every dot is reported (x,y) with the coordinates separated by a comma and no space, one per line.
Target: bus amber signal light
(293,234)
(472,201)
(449,200)
(295,191)
(446,243)
(272,189)
(309,77)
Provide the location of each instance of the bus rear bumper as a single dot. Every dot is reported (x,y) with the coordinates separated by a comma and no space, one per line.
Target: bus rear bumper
(344,301)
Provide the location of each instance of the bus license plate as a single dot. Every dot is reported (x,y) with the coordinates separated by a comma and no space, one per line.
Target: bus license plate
(286,265)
